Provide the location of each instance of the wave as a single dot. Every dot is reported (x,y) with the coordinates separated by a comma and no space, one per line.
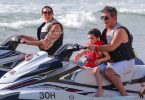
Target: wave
(73,20)
(123,6)
(75,15)
(20,24)
(77,20)
(136,7)
(135,11)
(70,20)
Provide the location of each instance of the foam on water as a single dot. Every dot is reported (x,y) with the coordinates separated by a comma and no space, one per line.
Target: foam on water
(73,14)
(20,24)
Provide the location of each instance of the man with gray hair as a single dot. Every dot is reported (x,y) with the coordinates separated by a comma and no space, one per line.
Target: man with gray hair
(119,45)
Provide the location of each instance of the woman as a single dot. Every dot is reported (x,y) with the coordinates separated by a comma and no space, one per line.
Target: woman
(49,33)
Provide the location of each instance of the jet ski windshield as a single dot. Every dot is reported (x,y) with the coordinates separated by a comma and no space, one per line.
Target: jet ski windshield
(11,43)
(65,52)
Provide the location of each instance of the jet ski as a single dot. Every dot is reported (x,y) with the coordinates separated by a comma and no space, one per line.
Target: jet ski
(9,57)
(57,77)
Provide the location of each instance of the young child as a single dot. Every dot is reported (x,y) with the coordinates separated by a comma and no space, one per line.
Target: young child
(95,59)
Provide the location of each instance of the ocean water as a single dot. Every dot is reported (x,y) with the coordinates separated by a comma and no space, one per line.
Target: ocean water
(77,17)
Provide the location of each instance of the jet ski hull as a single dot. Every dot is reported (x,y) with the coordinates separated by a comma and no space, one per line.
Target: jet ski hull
(57,78)
(58,95)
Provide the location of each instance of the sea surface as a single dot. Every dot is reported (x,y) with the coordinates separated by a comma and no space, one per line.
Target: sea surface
(77,16)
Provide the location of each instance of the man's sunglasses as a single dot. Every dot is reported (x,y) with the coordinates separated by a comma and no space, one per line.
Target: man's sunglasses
(47,12)
(104,18)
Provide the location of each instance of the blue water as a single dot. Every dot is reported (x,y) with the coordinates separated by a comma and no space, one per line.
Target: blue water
(77,17)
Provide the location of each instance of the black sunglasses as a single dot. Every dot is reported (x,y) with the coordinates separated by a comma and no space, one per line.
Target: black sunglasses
(47,12)
(104,18)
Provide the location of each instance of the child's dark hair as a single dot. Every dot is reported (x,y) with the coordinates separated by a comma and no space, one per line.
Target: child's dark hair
(95,32)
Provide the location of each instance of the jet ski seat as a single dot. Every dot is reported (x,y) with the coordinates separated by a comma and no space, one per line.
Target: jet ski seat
(87,77)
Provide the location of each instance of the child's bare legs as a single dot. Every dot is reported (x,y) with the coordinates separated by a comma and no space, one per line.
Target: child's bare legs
(99,81)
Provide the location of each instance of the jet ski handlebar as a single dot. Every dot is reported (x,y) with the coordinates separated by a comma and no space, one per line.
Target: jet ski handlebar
(65,51)
(16,38)
(11,43)
(77,47)
(81,47)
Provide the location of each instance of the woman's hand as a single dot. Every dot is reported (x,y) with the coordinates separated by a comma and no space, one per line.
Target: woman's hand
(23,41)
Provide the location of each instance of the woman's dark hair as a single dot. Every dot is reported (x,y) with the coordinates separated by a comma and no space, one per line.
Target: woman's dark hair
(47,7)
(95,32)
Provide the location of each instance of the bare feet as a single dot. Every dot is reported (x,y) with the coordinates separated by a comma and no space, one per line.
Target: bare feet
(99,92)
(142,92)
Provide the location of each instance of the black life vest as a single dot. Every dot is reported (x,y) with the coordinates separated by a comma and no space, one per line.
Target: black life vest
(57,43)
(124,51)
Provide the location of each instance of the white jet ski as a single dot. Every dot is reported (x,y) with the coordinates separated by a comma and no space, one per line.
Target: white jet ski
(9,57)
(58,78)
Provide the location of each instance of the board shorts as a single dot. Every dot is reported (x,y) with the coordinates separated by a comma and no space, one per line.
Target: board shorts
(102,67)
(122,67)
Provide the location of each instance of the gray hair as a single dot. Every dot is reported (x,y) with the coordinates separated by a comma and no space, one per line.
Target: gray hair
(111,10)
